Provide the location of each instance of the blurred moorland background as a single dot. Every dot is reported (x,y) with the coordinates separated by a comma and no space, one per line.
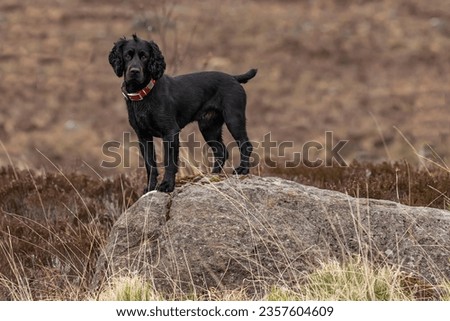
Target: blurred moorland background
(375,73)
(369,71)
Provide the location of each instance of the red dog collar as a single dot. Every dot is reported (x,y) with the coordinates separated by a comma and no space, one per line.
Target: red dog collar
(140,94)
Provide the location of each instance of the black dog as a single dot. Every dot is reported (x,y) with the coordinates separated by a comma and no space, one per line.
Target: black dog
(160,106)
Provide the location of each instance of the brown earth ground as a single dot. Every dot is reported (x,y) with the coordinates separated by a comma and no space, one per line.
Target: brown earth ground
(376,73)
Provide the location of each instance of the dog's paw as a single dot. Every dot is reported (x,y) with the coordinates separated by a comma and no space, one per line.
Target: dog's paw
(149,189)
(241,170)
(166,186)
(216,170)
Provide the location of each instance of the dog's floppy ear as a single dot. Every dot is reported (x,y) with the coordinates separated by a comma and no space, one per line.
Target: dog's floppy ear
(115,57)
(157,65)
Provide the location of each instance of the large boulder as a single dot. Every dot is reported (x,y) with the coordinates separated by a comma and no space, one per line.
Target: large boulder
(253,231)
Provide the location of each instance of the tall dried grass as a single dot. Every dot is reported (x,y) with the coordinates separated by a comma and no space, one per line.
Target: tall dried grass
(53,226)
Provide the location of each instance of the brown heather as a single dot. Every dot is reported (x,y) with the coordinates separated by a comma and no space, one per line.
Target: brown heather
(52,228)
(53,225)
(399,182)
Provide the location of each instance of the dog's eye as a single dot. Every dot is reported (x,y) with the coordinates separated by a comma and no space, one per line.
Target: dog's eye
(143,56)
(128,55)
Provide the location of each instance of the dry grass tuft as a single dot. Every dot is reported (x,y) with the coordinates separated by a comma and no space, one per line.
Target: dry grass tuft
(355,280)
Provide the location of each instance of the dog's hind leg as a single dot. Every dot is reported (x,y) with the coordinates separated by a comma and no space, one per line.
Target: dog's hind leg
(234,116)
(210,126)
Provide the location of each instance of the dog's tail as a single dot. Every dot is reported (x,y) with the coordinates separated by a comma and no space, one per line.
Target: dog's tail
(246,77)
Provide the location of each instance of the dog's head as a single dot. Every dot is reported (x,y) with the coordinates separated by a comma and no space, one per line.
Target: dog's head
(139,61)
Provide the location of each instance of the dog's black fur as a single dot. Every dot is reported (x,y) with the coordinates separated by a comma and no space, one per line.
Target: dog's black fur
(210,98)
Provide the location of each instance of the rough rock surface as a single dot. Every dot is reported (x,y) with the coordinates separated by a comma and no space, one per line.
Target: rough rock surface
(241,232)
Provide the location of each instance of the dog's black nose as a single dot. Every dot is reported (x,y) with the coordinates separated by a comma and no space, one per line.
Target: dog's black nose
(134,70)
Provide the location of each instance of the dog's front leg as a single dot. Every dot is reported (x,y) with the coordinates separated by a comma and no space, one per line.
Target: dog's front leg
(148,153)
(171,143)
